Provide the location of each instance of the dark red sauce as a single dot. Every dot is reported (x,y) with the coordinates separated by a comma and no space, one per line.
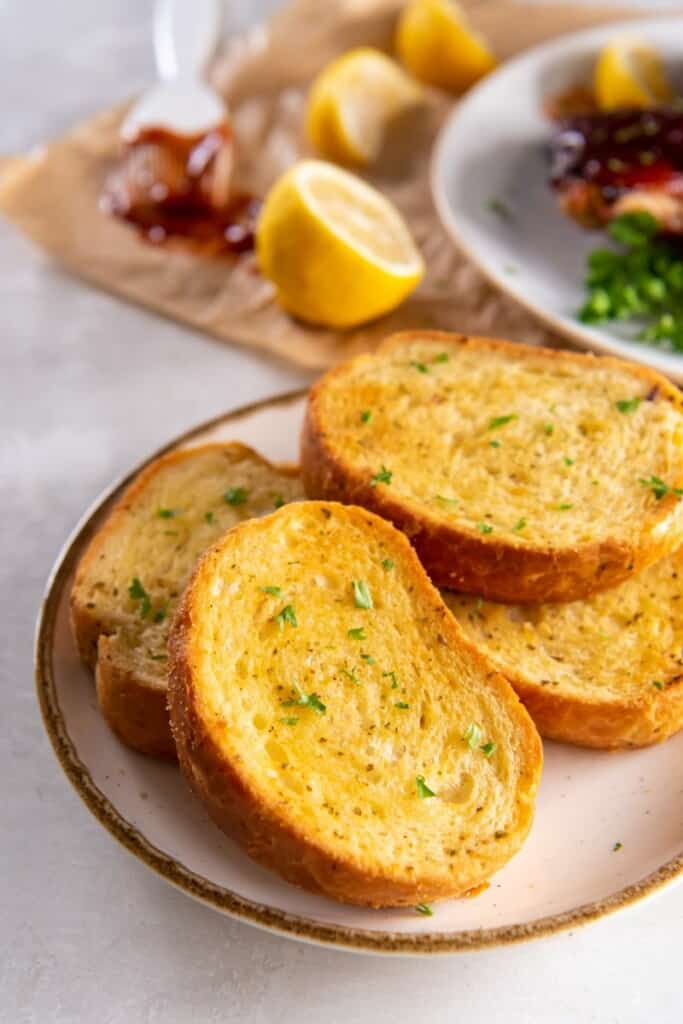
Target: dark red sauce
(177,189)
(620,151)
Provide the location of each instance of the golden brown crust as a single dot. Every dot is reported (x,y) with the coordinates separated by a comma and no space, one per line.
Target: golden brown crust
(613,725)
(86,625)
(485,564)
(86,628)
(303,858)
(608,724)
(239,812)
(603,673)
(134,705)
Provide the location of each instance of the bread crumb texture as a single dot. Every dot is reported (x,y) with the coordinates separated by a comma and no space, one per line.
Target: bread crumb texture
(131,577)
(506,448)
(332,716)
(606,671)
(483,437)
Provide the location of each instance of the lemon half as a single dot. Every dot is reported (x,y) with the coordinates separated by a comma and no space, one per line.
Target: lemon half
(337,251)
(353,100)
(630,73)
(437,45)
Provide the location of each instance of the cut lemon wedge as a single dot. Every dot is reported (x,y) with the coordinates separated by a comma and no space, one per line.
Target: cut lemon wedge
(630,73)
(436,43)
(352,102)
(337,251)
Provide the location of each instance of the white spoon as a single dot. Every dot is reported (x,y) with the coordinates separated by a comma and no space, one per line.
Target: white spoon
(186,33)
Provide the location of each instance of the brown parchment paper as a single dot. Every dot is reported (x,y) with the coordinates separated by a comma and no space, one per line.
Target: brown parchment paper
(52,195)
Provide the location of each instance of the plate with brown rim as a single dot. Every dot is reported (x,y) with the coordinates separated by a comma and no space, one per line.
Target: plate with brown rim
(608,829)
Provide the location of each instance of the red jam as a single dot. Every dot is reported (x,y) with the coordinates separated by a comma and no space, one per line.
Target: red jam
(620,151)
(176,189)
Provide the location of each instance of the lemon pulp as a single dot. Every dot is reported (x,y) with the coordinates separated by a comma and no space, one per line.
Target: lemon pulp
(337,251)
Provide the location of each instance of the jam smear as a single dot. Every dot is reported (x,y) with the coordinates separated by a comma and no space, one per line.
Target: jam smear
(176,190)
(620,151)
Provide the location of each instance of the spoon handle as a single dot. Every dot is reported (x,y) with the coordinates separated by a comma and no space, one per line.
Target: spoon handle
(186,33)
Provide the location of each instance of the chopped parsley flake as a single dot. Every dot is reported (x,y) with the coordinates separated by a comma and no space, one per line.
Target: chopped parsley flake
(501,421)
(442,357)
(488,749)
(357,633)
(382,477)
(401,705)
(168,513)
(275,591)
(617,846)
(425,909)
(137,592)
(287,615)
(368,658)
(209,517)
(392,676)
(423,790)
(628,405)
(472,735)
(278,500)
(290,720)
(235,496)
(564,506)
(305,700)
(420,367)
(500,209)
(519,525)
(366,415)
(641,281)
(567,461)
(659,488)
(548,429)
(388,564)
(315,702)
(484,528)
(362,597)
(494,443)
(350,674)
(657,685)
(446,501)
(160,613)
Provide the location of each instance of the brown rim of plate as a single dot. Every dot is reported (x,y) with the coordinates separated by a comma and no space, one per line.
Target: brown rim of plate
(223,899)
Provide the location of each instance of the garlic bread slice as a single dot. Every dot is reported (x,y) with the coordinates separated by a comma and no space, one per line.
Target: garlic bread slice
(130,578)
(333,718)
(518,473)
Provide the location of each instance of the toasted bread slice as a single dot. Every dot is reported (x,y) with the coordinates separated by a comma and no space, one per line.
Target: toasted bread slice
(129,579)
(603,672)
(332,717)
(519,473)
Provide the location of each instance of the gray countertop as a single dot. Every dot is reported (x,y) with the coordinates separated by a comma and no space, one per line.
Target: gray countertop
(88,386)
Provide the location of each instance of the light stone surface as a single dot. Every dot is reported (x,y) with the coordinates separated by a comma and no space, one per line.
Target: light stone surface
(88,385)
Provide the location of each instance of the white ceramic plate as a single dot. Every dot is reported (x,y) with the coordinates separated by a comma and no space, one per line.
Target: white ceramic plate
(566,874)
(494,147)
